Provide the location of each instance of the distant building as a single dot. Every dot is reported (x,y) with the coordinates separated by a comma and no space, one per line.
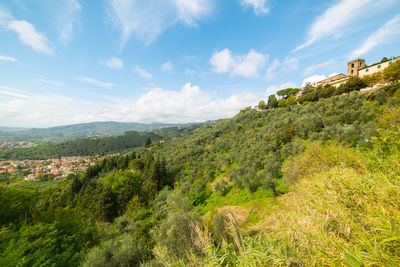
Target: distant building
(337,79)
(358,68)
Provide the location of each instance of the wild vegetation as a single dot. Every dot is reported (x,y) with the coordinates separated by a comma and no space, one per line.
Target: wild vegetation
(309,184)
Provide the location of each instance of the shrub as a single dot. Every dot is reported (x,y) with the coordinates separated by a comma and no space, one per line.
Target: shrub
(177,234)
(222,187)
(226,229)
(124,251)
(392,73)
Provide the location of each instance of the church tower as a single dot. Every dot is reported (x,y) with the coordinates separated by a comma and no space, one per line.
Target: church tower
(354,65)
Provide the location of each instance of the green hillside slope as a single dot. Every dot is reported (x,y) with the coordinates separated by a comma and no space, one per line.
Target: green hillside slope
(310,184)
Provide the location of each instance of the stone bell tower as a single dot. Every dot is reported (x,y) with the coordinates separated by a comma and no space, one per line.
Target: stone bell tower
(354,65)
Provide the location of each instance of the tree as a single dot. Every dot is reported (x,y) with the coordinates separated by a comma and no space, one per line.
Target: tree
(326,91)
(371,80)
(282,102)
(392,73)
(291,100)
(285,93)
(148,142)
(272,101)
(355,84)
(262,105)
(384,59)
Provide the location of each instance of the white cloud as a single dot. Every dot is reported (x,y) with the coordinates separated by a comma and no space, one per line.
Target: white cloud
(113,63)
(50,82)
(335,20)
(7,58)
(67,16)
(317,78)
(190,71)
(270,74)
(11,92)
(167,66)
(312,68)
(223,61)
(288,65)
(385,34)
(4,14)
(142,72)
(238,65)
(30,37)
(189,104)
(259,6)
(148,19)
(312,79)
(95,82)
(189,11)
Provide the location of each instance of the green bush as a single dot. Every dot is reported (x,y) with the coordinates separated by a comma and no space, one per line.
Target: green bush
(124,251)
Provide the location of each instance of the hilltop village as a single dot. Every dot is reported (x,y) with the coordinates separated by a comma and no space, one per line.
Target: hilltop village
(356,68)
(360,77)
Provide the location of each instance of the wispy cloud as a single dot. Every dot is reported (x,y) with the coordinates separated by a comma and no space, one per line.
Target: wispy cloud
(167,66)
(50,82)
(26,32)
(389,32)
(259,6)
(67,13)
(287,65)
(11,92)
(148,19)
(30,36)
(113,63)
(95,82)
(190,71)
(238,65)
(312,68)
(142,72)
(334,20)
(7,58)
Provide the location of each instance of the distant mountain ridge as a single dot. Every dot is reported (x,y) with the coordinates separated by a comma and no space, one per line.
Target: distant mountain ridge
(11,129)
(81,130)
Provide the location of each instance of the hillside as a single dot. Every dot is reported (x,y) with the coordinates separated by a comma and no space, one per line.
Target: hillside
(81,147)
(309,184)
(75,131)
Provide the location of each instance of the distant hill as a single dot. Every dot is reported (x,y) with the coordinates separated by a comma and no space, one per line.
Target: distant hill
(10,129)
(82,147)
(75,131)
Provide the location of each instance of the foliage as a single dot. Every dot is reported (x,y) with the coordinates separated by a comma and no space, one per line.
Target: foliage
(272,101)
(123,251)
(353,84)
(371,80)
(262,105)
(392,73)
(288,92)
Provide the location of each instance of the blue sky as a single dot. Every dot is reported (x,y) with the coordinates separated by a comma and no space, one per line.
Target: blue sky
(175,61)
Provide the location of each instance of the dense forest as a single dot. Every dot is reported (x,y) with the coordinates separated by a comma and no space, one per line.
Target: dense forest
(313,183)
(82,147)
